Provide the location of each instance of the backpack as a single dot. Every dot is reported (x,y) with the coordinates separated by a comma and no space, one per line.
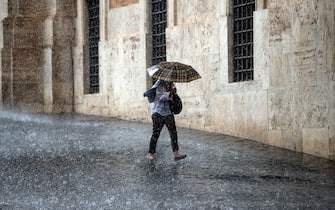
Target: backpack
(176,104)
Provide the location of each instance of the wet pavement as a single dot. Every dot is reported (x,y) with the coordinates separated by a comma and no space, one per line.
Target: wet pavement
(86,162)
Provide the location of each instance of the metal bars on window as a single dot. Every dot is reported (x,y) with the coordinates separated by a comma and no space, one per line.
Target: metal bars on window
(93,45)
(243,40)
(159,21)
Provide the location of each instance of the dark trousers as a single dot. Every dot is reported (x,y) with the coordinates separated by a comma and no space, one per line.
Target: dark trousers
(158,122)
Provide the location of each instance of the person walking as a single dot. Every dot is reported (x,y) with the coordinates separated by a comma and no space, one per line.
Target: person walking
(161,115)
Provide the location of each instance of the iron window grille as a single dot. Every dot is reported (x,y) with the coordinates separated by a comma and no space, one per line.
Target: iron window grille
(159,22)
(243,60)
(93,45)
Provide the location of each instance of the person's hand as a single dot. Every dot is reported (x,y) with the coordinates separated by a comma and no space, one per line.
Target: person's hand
(173,91)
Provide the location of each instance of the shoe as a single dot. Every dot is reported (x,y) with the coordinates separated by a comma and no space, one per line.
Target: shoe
(180,157)
(151,157)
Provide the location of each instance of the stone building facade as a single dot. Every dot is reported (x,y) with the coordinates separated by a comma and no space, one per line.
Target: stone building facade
(91,57)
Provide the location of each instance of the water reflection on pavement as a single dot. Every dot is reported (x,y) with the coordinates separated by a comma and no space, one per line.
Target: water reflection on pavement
(85,162)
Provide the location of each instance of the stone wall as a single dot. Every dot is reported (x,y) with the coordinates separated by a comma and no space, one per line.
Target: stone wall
(203,39)
(122,57)
(301,76)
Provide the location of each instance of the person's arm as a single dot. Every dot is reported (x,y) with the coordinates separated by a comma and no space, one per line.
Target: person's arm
(162,94)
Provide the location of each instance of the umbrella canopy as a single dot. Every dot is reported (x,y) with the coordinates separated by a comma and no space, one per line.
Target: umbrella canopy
(152,70)
(173,72)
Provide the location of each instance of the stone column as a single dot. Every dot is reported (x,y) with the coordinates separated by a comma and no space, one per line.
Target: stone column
(22,61)
(47,64)
(146,36)
(3,14)
(78,53)
(62,56)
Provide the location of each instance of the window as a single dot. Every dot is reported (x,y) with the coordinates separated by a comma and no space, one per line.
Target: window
(93,45)
(159,21)
(243,60)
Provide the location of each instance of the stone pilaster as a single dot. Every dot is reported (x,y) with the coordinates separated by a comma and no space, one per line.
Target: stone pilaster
(47,65)
(62,56)
(24,58)
(3,14)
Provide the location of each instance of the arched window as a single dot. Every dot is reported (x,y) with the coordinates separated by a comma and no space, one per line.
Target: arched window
(243,60)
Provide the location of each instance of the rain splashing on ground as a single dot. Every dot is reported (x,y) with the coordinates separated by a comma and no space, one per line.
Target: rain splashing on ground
(83,162)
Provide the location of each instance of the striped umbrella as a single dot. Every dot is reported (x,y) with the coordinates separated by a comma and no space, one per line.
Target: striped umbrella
(173,72)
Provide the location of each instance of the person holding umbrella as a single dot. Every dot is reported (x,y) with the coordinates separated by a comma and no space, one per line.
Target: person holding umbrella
(160,95)
(161,115)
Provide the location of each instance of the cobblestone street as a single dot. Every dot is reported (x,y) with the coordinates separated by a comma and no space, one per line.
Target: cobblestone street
(85,162)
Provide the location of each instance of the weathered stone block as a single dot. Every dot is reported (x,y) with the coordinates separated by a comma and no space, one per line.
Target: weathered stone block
(311,107)
(292,139)
(279,71)
(197,11)
(63,28)
(7,32)
(1,35)
(305,63)
(331,122)
(261,52)
(257,115)
(62,78)
(6,93)
(222,114)
(34,8)
(5,62)
(275,138)
(28,107)
(131,47)
(3,9)
(332,148)
(130,19)
(62,93)
(280,23)
(62,64)
(122,3)
(65,7)
(304,23)
(28,32)
(27,65)
(27,93)
(316,141)
(240,114)
(280,110)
